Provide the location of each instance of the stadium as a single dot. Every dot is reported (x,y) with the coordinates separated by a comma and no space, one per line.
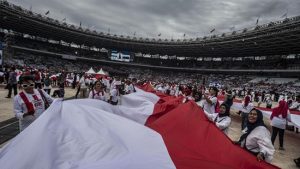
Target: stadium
(263,59)
(270,48)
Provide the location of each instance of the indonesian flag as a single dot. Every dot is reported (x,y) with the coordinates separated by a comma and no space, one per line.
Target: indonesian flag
(147,131)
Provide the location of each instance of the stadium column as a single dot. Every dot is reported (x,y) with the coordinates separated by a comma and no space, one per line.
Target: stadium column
(7,50)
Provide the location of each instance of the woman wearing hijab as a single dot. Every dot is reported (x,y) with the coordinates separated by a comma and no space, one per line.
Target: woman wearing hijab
(98,92)
(256,138)
(279,118)
(221,119)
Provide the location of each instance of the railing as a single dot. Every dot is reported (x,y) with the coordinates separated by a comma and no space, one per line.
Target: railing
(235,33)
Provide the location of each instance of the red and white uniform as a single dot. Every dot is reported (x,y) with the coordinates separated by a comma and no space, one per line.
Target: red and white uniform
(98,95)
(39,107)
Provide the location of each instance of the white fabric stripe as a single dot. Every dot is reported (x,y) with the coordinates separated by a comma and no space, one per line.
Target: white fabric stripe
(138,106)
(88,134)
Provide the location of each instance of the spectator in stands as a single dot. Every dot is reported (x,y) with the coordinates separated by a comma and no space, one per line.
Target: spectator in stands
(98,92)
(12,82)
(30,103)
(279,118)
(256,139)
(221,119)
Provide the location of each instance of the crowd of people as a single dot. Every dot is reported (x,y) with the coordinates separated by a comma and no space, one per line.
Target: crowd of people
(35,96)
(46,47)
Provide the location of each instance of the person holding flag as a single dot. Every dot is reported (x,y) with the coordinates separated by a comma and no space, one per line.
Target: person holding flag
(210,104)
(221,119)
(256,137)
(98,92)
(30,103)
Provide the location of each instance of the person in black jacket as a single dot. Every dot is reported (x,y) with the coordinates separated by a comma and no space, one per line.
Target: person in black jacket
(228,99)
(12,82)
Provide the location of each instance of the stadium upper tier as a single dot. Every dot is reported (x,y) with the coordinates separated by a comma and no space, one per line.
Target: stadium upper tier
(275,38)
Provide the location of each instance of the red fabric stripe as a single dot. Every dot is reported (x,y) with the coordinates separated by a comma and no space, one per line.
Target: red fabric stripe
(35,97)
(163,106)
(28,104)
(194,142)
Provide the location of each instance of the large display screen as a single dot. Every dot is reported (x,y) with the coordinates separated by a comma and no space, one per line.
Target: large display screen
(122,56)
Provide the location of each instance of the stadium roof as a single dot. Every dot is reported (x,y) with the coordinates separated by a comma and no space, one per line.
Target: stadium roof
(276,38)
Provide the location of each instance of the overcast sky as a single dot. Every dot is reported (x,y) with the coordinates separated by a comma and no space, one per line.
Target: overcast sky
(170,18)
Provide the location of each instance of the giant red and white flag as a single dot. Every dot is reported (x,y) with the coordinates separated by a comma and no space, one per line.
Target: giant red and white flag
(147,131)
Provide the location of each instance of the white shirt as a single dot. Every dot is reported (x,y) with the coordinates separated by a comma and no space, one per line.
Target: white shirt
(114,93)
(222,123)
(259,140)
(172,91)
(248,108)
(20,107)
(280,122)
(295,105)
(83,82)
(161,89)
(268,101)
(99,96)
(129,89)
(210,108)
